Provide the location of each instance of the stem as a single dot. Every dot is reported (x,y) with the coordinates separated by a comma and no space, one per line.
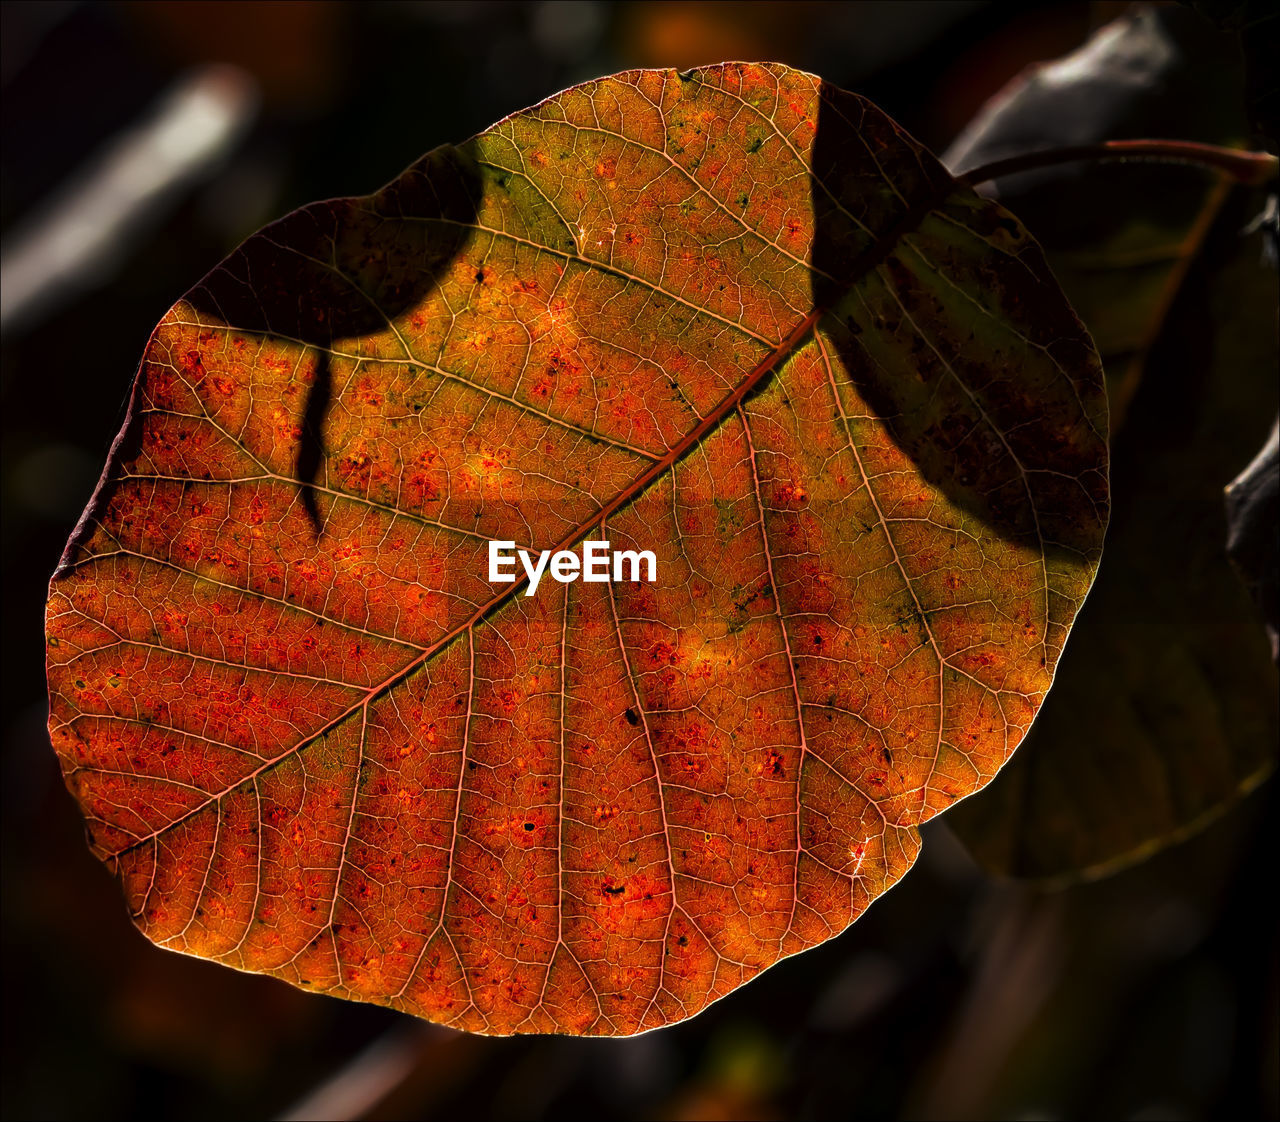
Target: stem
(1243,167)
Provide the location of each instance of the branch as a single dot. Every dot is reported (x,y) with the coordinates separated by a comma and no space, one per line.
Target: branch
(1244,167)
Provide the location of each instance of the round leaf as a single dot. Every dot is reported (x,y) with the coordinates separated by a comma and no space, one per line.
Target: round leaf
(735,317)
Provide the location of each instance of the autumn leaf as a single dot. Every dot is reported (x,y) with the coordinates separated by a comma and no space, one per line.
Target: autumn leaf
(735,317)
(1163,712)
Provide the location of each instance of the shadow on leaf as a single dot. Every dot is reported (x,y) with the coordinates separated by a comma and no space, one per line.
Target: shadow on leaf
(343,269)
(1013,446)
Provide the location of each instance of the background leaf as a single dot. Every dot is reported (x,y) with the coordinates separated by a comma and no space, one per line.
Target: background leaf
(1120,237)
(1163,710)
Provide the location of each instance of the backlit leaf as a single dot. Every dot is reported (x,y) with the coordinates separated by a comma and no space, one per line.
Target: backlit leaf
(735,317)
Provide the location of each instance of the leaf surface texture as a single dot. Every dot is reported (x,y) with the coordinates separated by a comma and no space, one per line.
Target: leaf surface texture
(735,317)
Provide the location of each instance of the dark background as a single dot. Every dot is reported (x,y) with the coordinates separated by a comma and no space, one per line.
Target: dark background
(1151,994)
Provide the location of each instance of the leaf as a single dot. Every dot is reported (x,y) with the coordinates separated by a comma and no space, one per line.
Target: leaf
(1163,710)
(1119,237)
(733,316)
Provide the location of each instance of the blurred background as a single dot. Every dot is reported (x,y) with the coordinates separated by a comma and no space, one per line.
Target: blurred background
(141,142)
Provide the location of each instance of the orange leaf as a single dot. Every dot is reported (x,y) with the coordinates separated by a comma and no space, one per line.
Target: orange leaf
(734,317)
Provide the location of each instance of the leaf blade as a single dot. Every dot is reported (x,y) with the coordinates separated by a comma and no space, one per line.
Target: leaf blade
(455,812)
